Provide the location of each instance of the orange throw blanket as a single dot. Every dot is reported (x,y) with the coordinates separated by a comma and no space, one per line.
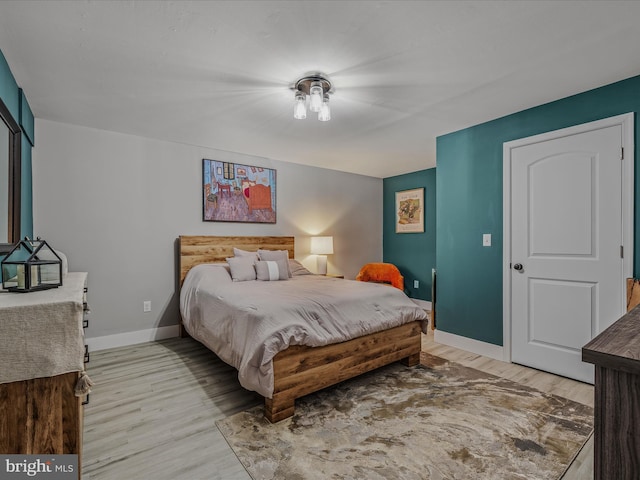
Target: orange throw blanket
(381,273)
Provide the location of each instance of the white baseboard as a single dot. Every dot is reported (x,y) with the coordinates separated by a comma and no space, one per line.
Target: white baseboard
(131,338)
(469,344)
(141,336)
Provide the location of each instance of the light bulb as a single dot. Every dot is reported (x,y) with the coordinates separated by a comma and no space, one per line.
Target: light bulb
(325,112)
(300,109)
(315,93)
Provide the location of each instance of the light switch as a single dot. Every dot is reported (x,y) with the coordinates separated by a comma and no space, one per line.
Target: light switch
(486,239)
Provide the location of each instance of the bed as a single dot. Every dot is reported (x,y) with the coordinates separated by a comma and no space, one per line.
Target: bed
(256,195)
(297,369)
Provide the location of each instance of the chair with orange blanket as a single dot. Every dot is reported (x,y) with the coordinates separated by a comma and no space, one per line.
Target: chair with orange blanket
(381,273)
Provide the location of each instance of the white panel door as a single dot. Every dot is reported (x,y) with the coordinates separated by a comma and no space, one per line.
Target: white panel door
(566,237)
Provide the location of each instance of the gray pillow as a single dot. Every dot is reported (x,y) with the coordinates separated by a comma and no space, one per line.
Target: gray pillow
(242,268)
(275,255)
(270,270)
(297,268)
(245,253)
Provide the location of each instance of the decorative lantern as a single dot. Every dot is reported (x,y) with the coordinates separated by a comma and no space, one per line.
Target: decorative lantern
(32,265)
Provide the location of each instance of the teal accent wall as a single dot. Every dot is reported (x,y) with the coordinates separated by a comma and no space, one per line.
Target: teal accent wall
(9,91)
(16,101)
(413,253)
(469,203)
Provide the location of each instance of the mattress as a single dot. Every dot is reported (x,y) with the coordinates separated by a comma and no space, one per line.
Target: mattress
(247,323)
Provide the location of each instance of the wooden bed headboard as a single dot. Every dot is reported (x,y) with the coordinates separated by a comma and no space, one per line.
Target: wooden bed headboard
(195,250)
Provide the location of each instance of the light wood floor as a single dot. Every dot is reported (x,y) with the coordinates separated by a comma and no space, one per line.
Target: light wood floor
(153,409)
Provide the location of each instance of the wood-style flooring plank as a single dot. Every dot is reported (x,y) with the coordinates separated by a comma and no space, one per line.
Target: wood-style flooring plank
(152,413)
(153,410)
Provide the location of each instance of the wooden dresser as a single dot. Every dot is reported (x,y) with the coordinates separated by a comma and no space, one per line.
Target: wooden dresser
(41,358)
(616,356)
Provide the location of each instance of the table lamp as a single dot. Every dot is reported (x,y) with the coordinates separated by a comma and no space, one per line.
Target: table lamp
(322,246)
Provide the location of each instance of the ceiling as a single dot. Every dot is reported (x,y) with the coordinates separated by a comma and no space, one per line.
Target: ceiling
(218,73)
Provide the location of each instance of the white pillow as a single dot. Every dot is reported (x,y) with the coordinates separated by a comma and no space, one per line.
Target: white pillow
(297,268)
(245,253)
(271,270)
(242,268)
(276,255)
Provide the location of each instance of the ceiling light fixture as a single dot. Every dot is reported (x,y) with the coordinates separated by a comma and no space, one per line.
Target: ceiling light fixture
(317,87)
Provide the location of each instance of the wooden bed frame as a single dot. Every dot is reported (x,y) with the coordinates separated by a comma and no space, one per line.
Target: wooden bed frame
(301,370)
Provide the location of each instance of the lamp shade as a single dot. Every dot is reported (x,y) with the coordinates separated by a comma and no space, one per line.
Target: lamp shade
(315,94)
(300,109)
(325,111)
(321,245)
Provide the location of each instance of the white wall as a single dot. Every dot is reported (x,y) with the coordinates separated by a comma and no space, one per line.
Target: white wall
(115,204)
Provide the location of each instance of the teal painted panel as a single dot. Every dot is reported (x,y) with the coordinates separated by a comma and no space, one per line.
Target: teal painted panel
(26,118)
(9,91)
(469,203)
(413,253)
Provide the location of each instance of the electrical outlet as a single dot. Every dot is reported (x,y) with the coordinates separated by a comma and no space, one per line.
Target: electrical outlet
(416,284)
(146,306)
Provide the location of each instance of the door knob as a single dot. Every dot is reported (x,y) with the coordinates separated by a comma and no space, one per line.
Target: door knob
(518,266)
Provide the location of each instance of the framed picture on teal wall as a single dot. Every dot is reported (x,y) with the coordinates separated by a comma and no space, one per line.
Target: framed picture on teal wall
(410,211)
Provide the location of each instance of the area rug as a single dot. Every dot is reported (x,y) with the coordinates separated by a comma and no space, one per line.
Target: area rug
(431,422)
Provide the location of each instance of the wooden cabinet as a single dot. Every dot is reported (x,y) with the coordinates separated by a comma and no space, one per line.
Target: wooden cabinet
(616,356)
(41,415)
(42,352)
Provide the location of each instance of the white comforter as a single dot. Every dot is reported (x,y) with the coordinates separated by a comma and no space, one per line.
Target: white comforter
(247,323)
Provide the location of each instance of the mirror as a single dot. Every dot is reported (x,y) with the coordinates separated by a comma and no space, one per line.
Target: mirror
(10,162)
(4,186)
